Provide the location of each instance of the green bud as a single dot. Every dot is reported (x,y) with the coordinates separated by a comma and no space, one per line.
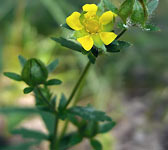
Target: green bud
(34,72)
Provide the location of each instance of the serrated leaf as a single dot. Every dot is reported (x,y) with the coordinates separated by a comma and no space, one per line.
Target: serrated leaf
(126,9)
(116,46)
(89,113)
(22,110)
(103,128)
(26,133)
(96,144)
(152,5)
(14,120)
(21,146)
(75,139)
(13,76)
(8,110)
(73,120)
(62,103)
(53,65)
(46,116)
(108,4)
(48,119)
(53,101)
(138,13)
(53,82)
(70,44)
(150,27)
(28,90)
(70,140)
(22,60)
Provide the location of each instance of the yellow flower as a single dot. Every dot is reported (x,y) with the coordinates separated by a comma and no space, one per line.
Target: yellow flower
(92,28)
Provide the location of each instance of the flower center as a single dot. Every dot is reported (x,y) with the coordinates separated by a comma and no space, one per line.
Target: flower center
(92,24)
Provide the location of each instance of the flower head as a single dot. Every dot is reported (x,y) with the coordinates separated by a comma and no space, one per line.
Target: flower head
(91,28)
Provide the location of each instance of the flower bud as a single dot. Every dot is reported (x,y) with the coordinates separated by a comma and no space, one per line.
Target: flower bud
(34,72)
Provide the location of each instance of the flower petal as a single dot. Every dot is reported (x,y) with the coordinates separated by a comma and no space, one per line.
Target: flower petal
(86,42)
(74,22)
(90,7)
(107,17)
(107,37)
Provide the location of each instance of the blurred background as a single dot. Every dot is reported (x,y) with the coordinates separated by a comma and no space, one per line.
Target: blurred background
(131,86)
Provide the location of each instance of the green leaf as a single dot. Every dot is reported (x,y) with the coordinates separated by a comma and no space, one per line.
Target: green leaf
(91,57)
(49,120)
(75,139)
(53,82)
(70,44)
(13,76)
(152,5)
(103,128)
(108,4)
(46,116)
(89,128)
(22,146)
(26,133)
(22,110)
(89,113)
(116,46)
(150,27)
(14,120)
(53,101)
(70,140)
(28,90)
(96,144)
(138,14)
(66,26)
(126,9)
(73,120)
(62,103)
(22,60)
(52,66)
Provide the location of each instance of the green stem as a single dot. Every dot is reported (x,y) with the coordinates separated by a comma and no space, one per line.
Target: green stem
(81,78)
(78,84)
(121,33)
(54,141)
(76,100)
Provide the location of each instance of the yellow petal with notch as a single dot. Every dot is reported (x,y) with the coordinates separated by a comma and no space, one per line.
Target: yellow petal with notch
(107,37)
(90,7)
(86,42)
(74,22)
(107,17)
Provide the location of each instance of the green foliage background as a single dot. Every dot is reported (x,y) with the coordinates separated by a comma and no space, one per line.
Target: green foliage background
(115,81)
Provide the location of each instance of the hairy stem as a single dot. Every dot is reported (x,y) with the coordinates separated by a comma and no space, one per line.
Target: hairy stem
(54,141)
(121,33)
(76,87)
(78,84)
